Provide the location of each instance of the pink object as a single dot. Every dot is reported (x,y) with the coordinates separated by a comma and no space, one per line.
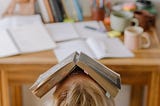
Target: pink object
(133,38)
(129,6)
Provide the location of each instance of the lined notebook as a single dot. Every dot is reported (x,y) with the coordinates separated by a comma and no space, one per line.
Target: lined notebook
(24,39)
(69,31)
(95,47)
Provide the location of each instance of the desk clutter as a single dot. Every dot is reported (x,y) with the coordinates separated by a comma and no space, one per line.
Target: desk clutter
(32,33)
(21,34)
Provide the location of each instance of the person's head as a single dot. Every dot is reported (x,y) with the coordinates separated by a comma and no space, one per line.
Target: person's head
(78,89)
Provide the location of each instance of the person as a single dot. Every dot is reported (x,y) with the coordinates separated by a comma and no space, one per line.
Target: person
(79,89)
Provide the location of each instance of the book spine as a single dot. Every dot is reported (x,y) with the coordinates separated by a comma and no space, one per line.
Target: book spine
(85,6)
(67,8)
(48,7)
(43,11)
(56,11)
(74,14)
(78,10)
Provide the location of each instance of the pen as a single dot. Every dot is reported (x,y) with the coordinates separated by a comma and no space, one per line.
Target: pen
(95,29)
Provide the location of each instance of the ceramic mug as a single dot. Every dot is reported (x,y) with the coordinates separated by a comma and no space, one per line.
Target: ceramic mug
(120,20)
(145,19)
(133,38)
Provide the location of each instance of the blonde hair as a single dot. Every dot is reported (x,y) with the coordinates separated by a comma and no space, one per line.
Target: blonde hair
(80,90)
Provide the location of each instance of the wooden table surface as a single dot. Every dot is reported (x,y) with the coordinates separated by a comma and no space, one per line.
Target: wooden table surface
(143,69)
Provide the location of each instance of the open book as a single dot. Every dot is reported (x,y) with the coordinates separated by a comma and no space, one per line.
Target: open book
(95,47)
(24,39)
(105,77)
(69,31)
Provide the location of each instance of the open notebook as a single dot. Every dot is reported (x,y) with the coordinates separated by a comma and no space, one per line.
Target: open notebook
(24,39)
(95,47)
(69,31)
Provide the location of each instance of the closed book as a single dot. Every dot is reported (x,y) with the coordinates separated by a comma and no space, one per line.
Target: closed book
(43,11)
(48,7)
(85,7)
(70,9)
(78,10)
(58,14)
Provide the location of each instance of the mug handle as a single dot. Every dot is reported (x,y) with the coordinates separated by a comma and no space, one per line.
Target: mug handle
(135,21)
(148,41)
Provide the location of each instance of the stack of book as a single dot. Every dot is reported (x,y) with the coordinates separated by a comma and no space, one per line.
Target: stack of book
(57,10)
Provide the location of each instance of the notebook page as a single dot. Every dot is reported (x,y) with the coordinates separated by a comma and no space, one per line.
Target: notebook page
(108,47)
(86,33)
(32,38)
(14,21)
(64,49)
(62,31)
(7,47)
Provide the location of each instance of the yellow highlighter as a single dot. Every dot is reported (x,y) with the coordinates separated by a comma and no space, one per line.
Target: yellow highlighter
(114,33)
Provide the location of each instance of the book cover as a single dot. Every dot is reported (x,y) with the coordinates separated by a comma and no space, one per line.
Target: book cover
(105,77)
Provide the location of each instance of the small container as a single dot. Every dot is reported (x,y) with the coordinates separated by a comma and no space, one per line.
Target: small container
(98,13)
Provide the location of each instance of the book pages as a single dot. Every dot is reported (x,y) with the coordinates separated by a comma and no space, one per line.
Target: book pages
(87,33)
(104,47)
(62,31)
(64,49)
(105,77)
(7,47)
(32,38)
(13,21)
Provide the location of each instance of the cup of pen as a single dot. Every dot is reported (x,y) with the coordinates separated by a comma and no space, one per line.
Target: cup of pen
(97,11)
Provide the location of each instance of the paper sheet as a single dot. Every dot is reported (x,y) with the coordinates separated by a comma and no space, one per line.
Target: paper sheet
(104,47)
(86,33)
(32,38)
(62,31)
(7,47)
(64,49)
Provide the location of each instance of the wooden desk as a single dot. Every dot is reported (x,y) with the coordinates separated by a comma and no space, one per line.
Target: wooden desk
(143,69)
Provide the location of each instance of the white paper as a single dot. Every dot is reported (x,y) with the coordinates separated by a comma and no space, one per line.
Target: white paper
(14,21)
(104,47)
(32,38)
(62,31)
(64,49)
(86,33)
(7,47)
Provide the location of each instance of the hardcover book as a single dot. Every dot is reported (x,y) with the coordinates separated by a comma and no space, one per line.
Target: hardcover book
(48,7)
(56,10)
(72,9)
(43,11)
(109,80)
